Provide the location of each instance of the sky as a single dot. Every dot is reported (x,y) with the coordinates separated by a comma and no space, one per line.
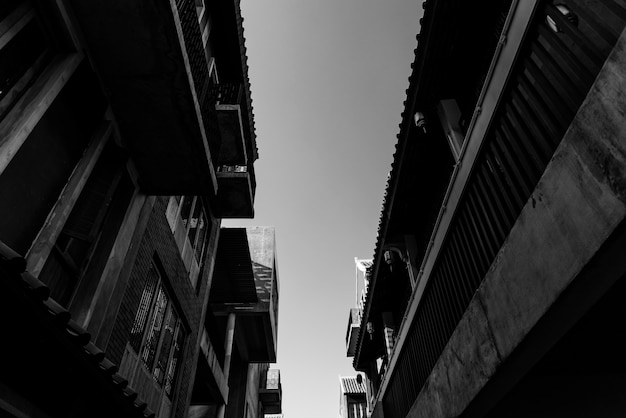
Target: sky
(328,81)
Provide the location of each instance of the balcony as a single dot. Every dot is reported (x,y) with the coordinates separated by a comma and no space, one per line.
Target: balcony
(245,282)
(271,392)
(235,173)
(152,63)
(235,192)
(354,323)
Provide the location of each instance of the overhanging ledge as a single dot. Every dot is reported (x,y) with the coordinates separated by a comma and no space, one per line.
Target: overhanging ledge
(138,49)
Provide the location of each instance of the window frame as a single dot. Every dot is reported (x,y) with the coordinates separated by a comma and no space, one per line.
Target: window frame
(159,287)
(182,231)
(196,203)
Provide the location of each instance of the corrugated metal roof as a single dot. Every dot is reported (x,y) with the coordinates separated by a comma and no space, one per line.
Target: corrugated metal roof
(246,78)
(349,384)
(392,176)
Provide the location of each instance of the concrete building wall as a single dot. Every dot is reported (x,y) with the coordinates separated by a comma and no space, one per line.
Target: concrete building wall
(58,128)
(157,243)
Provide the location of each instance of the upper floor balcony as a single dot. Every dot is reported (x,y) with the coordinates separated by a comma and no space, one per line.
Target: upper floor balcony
(235,171)
(270,391)
(152,61)
(245,283)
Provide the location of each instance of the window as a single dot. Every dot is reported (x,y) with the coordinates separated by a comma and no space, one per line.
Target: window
(356,409)
(157,338)
(195,222)
(190,225)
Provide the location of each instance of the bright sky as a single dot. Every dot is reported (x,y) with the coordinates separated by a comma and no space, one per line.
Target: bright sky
(328,83)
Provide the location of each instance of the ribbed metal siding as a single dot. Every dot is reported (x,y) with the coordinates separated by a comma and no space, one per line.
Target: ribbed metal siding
(553,75)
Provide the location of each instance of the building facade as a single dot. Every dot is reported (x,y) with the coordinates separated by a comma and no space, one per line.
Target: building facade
(239,336)
(353,400)
(126,135)
(497,267)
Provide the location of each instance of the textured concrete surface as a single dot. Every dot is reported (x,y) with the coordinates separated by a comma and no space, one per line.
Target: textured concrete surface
(574,208)
(468,362)
(568,396)
(577,204)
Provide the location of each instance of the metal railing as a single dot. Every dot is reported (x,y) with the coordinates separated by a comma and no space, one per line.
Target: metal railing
(553,74)
(227,93)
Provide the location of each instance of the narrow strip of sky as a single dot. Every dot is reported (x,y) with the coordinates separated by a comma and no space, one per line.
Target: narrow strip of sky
(328,82)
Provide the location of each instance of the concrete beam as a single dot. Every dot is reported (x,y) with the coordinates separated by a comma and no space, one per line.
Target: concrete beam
(49,233)
(30,108)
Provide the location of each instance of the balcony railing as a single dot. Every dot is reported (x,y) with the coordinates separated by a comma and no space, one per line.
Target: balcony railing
(554,72)
(152,61)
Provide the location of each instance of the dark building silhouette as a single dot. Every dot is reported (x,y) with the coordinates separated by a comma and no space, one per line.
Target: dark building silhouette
(497,286)
(126,135)
(240,333)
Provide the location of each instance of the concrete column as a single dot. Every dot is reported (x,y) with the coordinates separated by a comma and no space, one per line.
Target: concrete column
(228,350)
(228,343)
